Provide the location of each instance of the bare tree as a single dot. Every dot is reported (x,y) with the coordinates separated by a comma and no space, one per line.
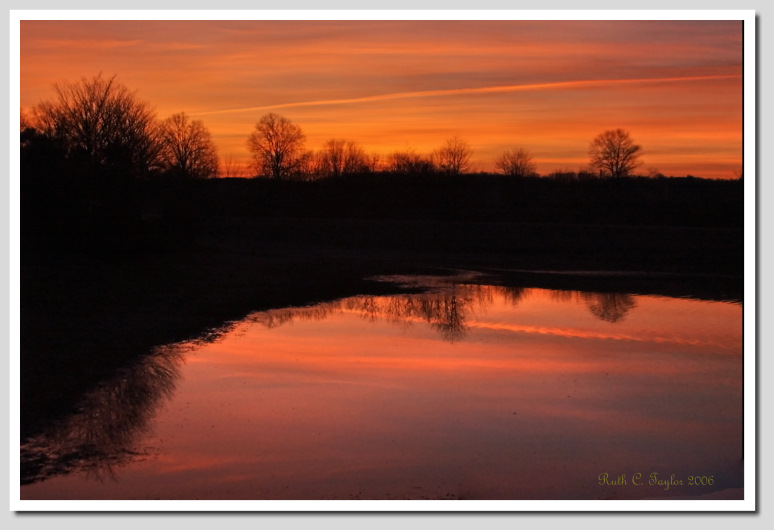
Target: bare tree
(355,159)
(516,163)
(25,121)
(332,157)
(454,157)
(307,167)
(101,125)
(410,162)
(374,162)
(277,146)
(343,157)
(654,173)
(187,148)
(614,153)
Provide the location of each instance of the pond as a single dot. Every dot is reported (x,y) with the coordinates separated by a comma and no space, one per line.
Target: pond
(462,391)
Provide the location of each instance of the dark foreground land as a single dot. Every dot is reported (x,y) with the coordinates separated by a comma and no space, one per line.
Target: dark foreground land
(95,300)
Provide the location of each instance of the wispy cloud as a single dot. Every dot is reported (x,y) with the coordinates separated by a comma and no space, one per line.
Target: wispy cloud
(473,91)
(86,44)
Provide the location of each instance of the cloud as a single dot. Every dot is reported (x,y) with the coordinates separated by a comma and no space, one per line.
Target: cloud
(602,83)
(84,44)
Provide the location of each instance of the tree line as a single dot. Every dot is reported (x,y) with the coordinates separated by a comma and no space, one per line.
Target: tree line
(100,171)
(97,127)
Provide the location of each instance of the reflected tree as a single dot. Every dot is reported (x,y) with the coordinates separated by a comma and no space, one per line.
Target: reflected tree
(446,313)
(610,307)
(111,420)
(446,310)
(513,295)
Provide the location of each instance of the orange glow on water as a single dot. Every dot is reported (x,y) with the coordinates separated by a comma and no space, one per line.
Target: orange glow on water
(352,400)
(548,86)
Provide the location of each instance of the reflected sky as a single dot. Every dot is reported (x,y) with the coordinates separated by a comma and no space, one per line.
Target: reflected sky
(533,395)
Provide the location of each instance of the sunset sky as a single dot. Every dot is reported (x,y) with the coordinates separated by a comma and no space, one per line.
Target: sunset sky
(547,86)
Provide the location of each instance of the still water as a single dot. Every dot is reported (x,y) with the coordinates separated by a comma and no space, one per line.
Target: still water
(462,392)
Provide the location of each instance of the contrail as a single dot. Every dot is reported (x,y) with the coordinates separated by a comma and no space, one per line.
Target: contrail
(469,91)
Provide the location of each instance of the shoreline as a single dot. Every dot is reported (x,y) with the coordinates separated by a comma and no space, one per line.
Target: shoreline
(84,316)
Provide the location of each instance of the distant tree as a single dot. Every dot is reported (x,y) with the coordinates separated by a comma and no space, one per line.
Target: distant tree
(342,157)
(614,153)
(101,127)
(516,163)
(355,159)
(454,157)
(233,168)
(374,162)
(308,166)
(25,121)
(40,154)
(332,157)
(27,131)
(277,146)
(410,163)
(187,149)
(654,173)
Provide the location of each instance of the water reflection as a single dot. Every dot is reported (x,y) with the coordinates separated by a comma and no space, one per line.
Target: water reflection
(610,307)
(114,416)
(367,398)
(446,309)
(110,420)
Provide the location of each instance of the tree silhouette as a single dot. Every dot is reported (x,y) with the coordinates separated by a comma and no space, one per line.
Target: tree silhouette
(277,146)
(516,163)
(101,127)
(410,162)
(342,157)
(187,149)
(25,121)
(454,157)
(614,153)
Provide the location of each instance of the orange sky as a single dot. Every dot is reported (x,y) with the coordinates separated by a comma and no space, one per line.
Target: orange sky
(547,86)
